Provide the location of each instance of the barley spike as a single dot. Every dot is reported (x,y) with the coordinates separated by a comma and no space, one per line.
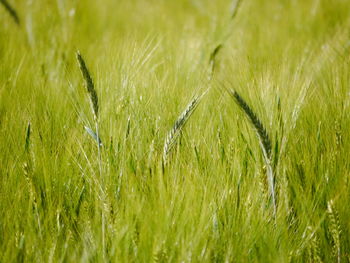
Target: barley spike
(264,140)
(179,124)
(89,84)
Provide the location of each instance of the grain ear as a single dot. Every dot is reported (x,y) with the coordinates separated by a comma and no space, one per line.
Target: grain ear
(175,132)
(334,229)
(264,141)
(89,85)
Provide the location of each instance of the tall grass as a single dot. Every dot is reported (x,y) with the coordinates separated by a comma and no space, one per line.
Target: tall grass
(95,111)
(264,141)
(103,192)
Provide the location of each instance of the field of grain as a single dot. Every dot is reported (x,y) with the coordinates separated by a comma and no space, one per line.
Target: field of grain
(174,131)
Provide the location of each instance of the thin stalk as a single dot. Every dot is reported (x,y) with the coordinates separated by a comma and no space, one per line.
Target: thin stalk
(103,224)
(11,11)
(264,141)
(95,111)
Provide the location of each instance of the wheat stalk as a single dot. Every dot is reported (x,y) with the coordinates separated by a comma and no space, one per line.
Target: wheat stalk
(235,8)
(11,11)
(95,107)
(216,50)
(127,133)
(213,61)
(27,141)
(334,228)
(264,141)
(93,135)
(89,85)
(312,248)
(175,132)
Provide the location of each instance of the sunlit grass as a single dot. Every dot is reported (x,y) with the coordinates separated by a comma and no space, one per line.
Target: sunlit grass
(64,197)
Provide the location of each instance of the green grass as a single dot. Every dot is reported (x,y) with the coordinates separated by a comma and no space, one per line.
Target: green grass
(63,201)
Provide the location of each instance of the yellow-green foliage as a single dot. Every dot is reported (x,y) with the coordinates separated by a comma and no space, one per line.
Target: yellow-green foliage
(62,199)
